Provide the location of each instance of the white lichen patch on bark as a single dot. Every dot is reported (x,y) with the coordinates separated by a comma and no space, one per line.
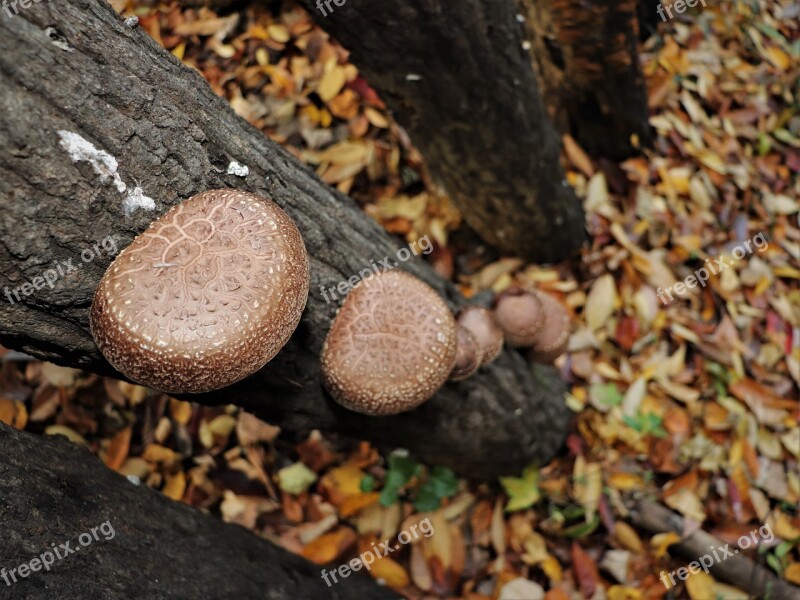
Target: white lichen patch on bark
(80,149)
(238,169)
(137,199)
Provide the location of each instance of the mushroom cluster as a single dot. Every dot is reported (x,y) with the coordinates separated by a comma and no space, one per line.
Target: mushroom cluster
(391,347)
(206,296)
(533,320)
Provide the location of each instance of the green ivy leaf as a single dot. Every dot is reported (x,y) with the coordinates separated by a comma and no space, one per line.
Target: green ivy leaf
(367,483)
(523,492)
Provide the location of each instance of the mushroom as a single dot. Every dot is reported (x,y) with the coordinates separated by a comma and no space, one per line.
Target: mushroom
(468,356)
(204,297)
(481,324)
(391,347)
(519,314)
(554,335)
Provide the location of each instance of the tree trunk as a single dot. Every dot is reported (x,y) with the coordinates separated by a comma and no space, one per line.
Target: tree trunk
(586,55)
(145,545)
(457,77)
(74,67)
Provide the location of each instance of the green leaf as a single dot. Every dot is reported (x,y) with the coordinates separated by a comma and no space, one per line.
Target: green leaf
(441,484)
(295,479)
(583,529)
(633,423)
(606,394)
(523,492)
(367,483)
(401,470)
(775,563)
(404,465)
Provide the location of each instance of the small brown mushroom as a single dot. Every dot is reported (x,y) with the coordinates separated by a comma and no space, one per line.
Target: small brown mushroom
(481,324)
(468,356)
(391,347)
(554,335)
(204,297)
(520,315)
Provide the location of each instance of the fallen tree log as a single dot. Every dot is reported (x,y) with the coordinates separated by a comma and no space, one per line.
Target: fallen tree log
(102,131)
(737,570)
(144,545)
(459,79)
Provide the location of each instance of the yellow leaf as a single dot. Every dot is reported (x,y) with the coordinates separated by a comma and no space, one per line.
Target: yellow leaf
(588,481)
(70,434)
(523,492)
(627,537)
(552,568)
(700,586)
(332,82)
(181,411)
(296,478)
(391,572)
(279,33)
(778,57)
(175,486)
(792,573)
(600,302)
(661,541)
(621,592)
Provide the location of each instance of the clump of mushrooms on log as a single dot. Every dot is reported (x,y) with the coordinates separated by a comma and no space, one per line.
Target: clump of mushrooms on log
(212,290)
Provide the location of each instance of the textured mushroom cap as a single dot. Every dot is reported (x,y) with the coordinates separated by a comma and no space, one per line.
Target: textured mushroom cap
(391,347)
(520,315)
(468,355)
(207,295)
(482,325)
(554,336)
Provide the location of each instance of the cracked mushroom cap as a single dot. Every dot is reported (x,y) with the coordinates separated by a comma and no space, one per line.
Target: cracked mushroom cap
(468,356)
(520,315)
(554,335)
(204,297)
(481,324)
(391,347)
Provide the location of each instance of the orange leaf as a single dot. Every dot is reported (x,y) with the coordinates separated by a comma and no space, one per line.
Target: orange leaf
(391,572)
(326,548)
(118,449)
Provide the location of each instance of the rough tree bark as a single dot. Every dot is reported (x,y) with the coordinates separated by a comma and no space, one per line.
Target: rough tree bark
(457,77)
(73,66)
(585,53)
(52,491)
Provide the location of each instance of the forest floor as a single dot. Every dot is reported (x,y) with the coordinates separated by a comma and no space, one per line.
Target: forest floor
(684,394)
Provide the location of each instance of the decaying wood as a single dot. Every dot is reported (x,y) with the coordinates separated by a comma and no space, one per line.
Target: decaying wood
(76,81)
(53,493)
(586,55)
(457,77)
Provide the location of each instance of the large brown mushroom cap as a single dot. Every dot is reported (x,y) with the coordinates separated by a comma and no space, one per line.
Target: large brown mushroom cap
(207,295)
(554,335)
(520,315)
(481,324)
(391,347)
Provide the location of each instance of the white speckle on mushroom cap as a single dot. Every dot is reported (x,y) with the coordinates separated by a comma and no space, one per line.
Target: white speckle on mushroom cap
(206,296)
(391,347)
(520,315)
(554,336)
(468,354)
(482,325)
